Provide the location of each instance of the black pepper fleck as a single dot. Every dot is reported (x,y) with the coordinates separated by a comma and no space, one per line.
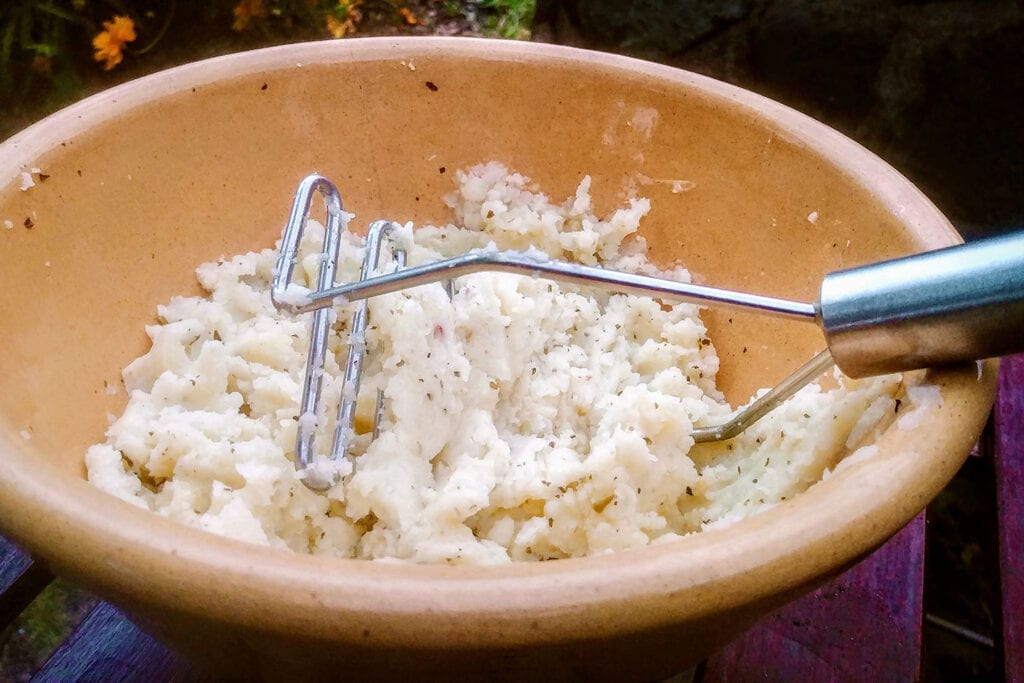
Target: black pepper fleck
(263,87)
(431,87)
(28,223)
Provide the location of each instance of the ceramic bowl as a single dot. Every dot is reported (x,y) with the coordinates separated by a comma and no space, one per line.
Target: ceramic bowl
(149,179)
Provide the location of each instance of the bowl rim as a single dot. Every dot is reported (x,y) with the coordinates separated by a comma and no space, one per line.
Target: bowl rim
(493,606)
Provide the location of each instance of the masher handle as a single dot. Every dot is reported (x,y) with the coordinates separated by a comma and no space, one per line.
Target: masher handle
(956,304)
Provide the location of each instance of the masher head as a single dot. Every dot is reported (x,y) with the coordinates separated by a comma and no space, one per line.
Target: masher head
(322,472)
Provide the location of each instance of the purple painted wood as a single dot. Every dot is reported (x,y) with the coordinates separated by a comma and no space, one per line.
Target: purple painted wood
(108,647)
(1009,421)
(21,580)
(862,626)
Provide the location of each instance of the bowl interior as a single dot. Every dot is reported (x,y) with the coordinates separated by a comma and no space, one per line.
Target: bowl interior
(150,179)
(134,203)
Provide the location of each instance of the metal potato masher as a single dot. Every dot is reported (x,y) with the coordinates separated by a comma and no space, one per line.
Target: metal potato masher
(961,303)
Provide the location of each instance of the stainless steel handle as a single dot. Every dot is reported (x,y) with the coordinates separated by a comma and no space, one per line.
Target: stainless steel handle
(955,304)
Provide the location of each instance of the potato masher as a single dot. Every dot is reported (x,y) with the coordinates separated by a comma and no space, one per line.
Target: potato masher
(960,303)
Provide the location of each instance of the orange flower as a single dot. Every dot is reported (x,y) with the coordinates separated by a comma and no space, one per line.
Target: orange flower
(344,18)
(109,44)
(408,16)
(247,10)
(338,28)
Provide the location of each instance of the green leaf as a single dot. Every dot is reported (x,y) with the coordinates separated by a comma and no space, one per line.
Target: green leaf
(6,46)
(57,12)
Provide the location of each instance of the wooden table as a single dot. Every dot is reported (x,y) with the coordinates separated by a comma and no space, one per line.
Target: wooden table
(866,625)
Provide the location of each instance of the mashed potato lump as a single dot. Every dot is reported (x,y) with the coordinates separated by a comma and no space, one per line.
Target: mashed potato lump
(524,419)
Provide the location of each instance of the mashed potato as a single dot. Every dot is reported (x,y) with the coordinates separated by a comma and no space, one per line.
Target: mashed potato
(524,420)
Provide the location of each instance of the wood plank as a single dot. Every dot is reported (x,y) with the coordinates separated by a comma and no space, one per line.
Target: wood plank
(21,580)
(1009,422)
(863,625)
(108,647)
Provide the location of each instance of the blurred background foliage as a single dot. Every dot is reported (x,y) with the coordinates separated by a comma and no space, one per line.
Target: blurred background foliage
(53,52)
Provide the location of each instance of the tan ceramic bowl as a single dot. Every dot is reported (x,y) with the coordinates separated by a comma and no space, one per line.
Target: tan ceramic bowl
(151,178)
